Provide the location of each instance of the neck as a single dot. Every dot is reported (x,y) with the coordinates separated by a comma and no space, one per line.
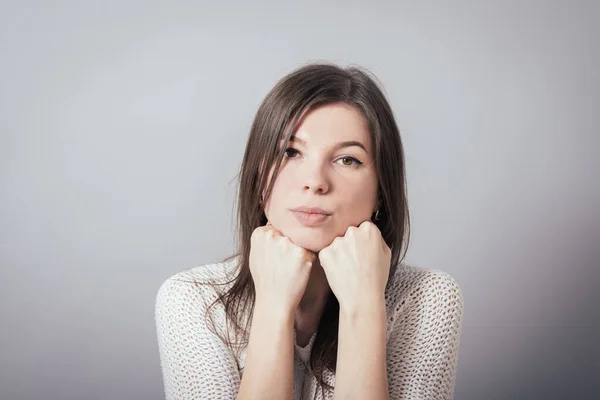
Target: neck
(312,304)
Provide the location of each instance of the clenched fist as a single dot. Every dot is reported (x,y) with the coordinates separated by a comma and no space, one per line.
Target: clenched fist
(357,265)
(279,268)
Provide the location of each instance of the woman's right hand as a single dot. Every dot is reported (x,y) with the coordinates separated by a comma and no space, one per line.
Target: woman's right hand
(279,268)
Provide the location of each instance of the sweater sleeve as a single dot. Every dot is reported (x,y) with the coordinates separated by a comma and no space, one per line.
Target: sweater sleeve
(423,345)
(195,363)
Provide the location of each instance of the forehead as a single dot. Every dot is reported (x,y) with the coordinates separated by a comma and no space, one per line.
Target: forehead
(333,123)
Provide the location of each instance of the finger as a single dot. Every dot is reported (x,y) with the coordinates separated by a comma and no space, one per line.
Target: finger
(323,257)
(310,255)
(270,228)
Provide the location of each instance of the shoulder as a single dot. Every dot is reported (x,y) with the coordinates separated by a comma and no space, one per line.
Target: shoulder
(424,291)
(195,356)
(424,327)
(198,283)
(214,273)
(187,303)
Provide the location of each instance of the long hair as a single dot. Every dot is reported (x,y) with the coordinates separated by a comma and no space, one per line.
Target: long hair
(307,88)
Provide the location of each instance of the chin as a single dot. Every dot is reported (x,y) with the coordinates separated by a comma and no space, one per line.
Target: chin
(310,240)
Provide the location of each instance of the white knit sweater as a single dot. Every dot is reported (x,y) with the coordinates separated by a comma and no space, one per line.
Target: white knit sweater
(424,314)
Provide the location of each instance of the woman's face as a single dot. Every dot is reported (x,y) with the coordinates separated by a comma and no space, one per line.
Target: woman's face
(328,165)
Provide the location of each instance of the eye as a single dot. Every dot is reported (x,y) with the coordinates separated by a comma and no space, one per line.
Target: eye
(350,162)
(290,152)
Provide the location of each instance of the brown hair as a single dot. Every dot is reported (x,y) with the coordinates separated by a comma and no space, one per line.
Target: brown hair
(306,88)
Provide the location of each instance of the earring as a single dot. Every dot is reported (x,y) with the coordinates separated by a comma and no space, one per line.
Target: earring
(377,214)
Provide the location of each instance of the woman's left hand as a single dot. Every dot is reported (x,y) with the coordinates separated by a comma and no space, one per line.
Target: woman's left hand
(357,266)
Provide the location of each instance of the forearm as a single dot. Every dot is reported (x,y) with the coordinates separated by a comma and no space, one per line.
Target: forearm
(361,363)
(269,368)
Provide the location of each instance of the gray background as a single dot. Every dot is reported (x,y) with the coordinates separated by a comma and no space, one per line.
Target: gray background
(123,125)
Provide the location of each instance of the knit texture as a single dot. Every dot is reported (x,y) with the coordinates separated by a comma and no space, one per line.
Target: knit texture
(424,316)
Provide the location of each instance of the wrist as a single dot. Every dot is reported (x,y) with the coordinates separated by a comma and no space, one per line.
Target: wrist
(368,306)
(274,311)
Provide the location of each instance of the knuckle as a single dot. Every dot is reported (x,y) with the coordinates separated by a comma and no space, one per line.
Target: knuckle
(256,234)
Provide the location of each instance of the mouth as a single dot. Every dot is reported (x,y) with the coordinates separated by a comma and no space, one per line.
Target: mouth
(310,218)
(311,210)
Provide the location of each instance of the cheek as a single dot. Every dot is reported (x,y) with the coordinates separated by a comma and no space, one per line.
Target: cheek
(360,200)
(282,186)
(284,183)
(363,189)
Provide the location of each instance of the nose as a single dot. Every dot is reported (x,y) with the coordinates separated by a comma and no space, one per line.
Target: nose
(315,178)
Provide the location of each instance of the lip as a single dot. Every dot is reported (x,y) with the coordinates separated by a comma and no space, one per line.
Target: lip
(310,216)
(311,210)
(310,219)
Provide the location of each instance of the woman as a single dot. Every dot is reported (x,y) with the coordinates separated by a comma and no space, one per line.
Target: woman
(316,301)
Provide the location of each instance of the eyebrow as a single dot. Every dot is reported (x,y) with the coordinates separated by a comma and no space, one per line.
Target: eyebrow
(338,146)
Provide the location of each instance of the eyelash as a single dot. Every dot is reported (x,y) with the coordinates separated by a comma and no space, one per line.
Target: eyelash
(357,163)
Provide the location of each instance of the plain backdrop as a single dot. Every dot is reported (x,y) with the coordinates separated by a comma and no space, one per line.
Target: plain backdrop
(123,125)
